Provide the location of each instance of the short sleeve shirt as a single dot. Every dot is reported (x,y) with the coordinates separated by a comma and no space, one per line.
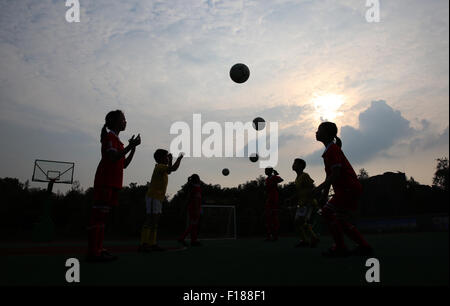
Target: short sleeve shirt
(304,185)
(158,184)
(271,188)
(333,157)
(110,173)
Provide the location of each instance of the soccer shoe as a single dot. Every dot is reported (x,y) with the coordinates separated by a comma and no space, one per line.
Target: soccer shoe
(106,256)
(103,257)
(362,251)
(196,244)
(336,253)
(184,243)
(302,244)
(314,242)
(144,248)
(156,248)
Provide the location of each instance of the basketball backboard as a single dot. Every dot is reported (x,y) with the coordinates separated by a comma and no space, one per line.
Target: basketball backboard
(53,171)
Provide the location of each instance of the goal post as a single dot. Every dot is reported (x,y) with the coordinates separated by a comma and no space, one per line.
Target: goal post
(217,222)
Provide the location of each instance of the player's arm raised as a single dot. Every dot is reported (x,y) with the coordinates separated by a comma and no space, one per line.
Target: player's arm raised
(175,166)
(133,149)
(114,155)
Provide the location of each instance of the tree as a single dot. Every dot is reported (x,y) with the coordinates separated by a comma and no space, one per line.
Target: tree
(440,178)
(363,174)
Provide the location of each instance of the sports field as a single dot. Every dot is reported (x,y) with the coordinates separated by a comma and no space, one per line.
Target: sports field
(405,259)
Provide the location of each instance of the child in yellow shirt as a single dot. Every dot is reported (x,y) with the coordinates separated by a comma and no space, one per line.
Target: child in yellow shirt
(155,196)
(304,185)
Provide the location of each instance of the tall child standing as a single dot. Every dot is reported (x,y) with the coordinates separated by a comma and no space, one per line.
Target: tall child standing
(108,181)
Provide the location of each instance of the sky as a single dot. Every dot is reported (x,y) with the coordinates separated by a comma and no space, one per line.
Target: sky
(385,84)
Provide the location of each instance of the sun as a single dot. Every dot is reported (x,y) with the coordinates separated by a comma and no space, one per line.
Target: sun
(327,106)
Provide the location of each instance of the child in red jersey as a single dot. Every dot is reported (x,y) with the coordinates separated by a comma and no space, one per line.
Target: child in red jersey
(108,181)
(347,190)
(271,209)
(194,208)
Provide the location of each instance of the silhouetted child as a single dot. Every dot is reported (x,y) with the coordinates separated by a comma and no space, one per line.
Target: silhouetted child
(194,209)
(155,196)
(272,206)
(347,190)
(108,181)
(306,203)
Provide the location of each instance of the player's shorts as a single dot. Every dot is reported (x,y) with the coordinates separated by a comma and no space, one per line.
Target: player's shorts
(303,211)
(106,196)
(153,206)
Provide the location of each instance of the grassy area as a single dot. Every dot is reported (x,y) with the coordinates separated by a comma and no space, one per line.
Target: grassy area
(405,259)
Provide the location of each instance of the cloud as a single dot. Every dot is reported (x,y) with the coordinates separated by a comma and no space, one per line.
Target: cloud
(381,128)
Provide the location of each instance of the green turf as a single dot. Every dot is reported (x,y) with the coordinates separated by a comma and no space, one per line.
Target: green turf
(405,259)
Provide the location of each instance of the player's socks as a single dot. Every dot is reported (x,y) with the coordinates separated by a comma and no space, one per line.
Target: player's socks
(92,240)
(145,235)
(186,232)
(302,234)
(153,237)
(311,232)
(96,232)
(352,232)
(194,233)
(100,238)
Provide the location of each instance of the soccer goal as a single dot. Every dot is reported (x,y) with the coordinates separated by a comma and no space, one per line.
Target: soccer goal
(217,222)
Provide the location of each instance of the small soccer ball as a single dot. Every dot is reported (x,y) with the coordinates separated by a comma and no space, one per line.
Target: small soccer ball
(239,73)
(259,123)
(225,171)
(254,157)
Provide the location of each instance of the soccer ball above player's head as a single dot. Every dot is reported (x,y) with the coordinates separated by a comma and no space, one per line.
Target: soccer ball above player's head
(161,156)
(327,133)
(299,165)
(114,121)
(268,171)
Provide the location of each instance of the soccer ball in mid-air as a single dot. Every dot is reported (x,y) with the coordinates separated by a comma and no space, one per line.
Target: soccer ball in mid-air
(259,123)
(225,171)
(254,157)
(239,73)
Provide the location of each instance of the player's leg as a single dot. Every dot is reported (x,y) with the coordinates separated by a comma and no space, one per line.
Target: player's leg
(350,203)
(145,231)
(301,231)
(268,215)
(195,216)
(157,210)
(313,238)
(188,230)
(275,223)
(153,231)
(330,217)
(104,198)
(96,220)
(363,248)
(145,234)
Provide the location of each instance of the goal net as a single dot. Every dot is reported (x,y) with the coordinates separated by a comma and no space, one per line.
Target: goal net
(217,222)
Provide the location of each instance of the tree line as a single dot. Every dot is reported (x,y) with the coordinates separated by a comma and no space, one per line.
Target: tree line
(387,195)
